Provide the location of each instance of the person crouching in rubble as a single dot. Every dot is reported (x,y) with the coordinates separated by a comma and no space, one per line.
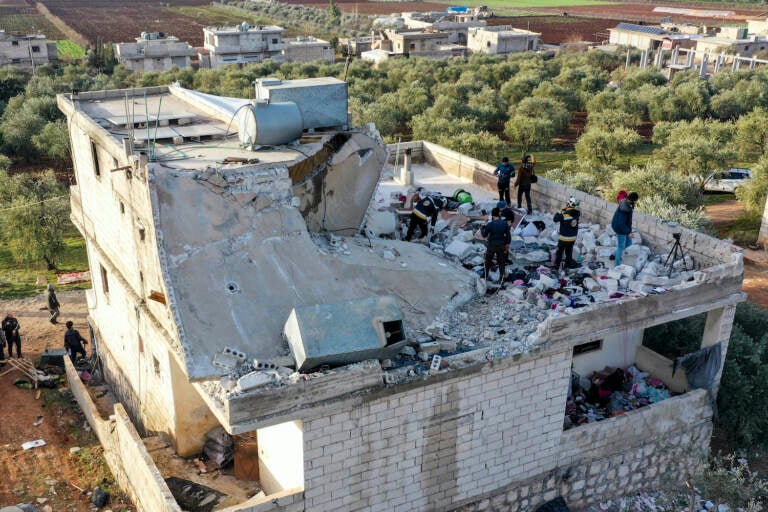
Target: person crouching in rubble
(72,342)
(426,209)
(568,218)
(497,234)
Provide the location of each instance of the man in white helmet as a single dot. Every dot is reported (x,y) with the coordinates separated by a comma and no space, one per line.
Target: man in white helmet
(425,211)
(568,218)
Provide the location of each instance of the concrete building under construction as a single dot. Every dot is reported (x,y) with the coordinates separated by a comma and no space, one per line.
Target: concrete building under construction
(232,290)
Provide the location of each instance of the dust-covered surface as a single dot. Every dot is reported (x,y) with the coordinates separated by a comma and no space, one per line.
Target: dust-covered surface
(49,474)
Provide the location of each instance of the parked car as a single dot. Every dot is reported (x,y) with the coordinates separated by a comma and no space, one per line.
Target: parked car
(727,181)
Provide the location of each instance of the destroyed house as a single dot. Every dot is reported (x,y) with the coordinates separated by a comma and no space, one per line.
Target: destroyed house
(231,292)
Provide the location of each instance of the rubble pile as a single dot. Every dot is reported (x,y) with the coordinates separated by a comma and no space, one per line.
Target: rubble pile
(610,392)
(534,240)
(504,321)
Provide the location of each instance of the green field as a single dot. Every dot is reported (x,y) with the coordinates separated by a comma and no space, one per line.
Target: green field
(69,50)
(29,24)
(19,279)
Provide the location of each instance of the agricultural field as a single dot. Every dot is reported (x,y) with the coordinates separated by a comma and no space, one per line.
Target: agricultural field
(69,50)
(18,16)
(115,20)
(219,16)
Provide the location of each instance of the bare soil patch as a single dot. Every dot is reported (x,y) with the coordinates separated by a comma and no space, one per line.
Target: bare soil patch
(755,262)
(644,12)
(559,29)
(116,21)
(49,472)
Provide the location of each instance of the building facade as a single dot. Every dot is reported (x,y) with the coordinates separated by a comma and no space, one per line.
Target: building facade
(26,51)
(501,40)
(243,44)
(202,252)
(307,49)
(154,51)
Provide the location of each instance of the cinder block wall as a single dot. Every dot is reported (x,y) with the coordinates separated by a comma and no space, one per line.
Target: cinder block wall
(439,446)
(550,196)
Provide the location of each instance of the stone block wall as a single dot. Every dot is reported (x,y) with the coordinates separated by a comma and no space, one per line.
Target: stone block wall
(439,445)
(646,448)
(126,455)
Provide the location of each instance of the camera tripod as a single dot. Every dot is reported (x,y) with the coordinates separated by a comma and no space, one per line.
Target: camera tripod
(675,253)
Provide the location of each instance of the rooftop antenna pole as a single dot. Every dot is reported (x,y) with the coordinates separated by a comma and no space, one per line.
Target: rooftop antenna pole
(146,115)
(157,122)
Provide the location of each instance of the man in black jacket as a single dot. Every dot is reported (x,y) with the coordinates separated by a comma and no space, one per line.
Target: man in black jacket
(11,328)
(497,234)
(72,342)
(568,218)
(426,209)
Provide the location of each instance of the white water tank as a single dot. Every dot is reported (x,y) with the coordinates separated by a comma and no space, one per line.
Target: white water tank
(269,124)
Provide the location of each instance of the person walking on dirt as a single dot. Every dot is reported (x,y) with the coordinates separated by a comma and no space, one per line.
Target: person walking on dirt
(11,328)
(73,342)
(53,304)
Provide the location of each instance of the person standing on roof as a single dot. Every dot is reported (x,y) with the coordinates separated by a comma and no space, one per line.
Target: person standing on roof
(497,234)
(505,171)
(11,328)
(568,218)
(53,304)
(622,224)
(73,342)
(523,183)
(425,210)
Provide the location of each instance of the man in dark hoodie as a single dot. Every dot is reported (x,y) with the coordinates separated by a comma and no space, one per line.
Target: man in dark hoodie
(74,342)
(505,171)
(622,224)
(497,234)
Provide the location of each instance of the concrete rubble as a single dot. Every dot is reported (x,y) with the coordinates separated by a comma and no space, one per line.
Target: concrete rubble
(502,319)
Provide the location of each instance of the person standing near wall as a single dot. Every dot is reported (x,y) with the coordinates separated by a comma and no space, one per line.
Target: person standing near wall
(74,342)
(622,224)
(523,183)
(11,328)
(505,171)
(53,304)
(568,218)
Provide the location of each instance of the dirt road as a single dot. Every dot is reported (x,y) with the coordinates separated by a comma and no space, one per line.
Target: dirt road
(755,262)
(48,475)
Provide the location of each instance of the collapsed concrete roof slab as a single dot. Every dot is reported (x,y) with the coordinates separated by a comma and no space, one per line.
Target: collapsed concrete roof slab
(235,272)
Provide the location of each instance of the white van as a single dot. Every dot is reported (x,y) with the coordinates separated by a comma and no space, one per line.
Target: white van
(727,181)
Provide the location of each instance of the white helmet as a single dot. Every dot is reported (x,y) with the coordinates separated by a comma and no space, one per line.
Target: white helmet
(573,202)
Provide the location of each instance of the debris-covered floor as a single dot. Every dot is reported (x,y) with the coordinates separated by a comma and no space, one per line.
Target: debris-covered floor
(502,317)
